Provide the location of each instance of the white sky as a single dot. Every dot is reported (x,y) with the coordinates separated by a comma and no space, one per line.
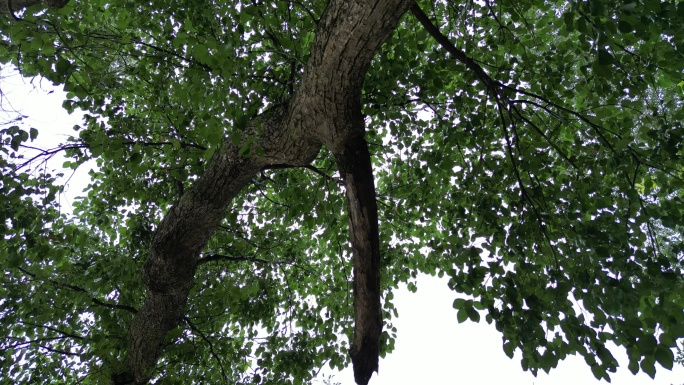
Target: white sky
(431,347)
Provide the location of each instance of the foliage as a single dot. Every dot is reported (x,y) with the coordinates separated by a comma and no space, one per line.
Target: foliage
(550,198)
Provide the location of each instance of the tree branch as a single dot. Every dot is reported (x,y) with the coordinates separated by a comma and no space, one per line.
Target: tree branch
(356,170)
(63,333)
(491,84)
(324,110)
(218,257)
(79,289)
(206,339)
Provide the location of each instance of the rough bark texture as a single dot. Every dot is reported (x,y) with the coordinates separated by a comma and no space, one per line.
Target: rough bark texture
(325,110)
(355,167)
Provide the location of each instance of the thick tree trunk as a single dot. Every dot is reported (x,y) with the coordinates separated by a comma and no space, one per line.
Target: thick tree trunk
(169,270)
(325,110)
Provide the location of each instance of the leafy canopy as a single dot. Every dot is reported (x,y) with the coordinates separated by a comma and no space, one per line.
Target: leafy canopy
(540,171)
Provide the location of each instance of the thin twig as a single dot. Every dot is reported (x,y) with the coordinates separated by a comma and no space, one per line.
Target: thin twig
(79,289)
(211,347)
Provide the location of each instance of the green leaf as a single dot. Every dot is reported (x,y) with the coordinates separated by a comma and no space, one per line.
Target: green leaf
(473,314)
(509,349)
(598,371)
(647,365)
(461,316)
(664,356)
(136,157)
(533,160)
(63,67)
(605,58)
(666,339)
(201,53)
(459,303)
(647,344)
(633,366)
(568,19)
(209,154)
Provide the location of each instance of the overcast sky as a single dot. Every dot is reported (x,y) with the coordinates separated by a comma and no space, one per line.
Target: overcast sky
(431,348)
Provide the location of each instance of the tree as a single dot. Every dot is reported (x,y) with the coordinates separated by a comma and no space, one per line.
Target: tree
(529,150)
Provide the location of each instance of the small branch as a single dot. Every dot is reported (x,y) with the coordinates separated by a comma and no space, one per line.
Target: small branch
(47,153)
(240,235)
(79,289)
(307,10)
(63,333)
(174,54)
(321,173)
(51,152)
(461,56)
(548,140)
(218,257)
(114,306)
(23,343)
(289,297)
(153,144)
(502,101)
(206,339)
(58,351)
(307,167)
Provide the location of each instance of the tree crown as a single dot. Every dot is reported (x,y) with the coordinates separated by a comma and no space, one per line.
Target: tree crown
(530,151)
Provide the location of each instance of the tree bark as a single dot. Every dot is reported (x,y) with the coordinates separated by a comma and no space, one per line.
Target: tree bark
(355,167)
(325,110)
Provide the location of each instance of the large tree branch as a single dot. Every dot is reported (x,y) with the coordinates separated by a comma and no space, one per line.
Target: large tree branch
(355,167)
(169,270)
(492,85)
(362,27)
(185,230)
(325,110)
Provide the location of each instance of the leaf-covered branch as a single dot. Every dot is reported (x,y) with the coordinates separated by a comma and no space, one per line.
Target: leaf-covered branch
(78,289)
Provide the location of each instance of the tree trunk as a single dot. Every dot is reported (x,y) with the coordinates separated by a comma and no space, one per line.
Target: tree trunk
(325,110)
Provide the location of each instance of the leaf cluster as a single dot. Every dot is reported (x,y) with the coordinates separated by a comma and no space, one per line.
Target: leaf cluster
(552,202)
